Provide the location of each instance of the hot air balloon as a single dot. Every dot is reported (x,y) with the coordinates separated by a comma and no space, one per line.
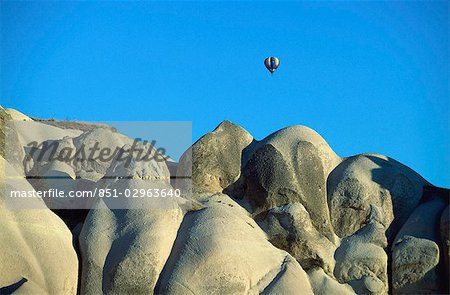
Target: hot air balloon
(271,64)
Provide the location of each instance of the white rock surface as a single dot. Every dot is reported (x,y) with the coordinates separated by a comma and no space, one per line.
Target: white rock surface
(287,138)
(290,165)
(289,227)
(230,254)
(36,245)
(361,260)
(17,116)
(124,251)
(413,266)
(284,215)
(102,139)
(214,161)
(372,179)
(34,131)
(10,147)
(415,251)
(322,284)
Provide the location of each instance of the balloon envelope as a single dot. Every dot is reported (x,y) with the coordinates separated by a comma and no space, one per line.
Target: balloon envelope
(272,63)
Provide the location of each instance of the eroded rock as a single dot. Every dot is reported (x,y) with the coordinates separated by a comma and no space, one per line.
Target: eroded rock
(231,254)
(415,251)
(413,266)
(214,161)
(36,245)
(369,179)
(289,227)
(291,166)
(361,260)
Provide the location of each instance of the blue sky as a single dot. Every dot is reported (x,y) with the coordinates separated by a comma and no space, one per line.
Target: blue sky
(368,76)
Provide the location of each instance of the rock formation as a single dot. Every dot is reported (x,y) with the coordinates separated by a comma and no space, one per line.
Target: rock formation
(284,215)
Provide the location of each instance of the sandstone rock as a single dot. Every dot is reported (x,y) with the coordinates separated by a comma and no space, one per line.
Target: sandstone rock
(136,167)
(29,136)
(30,131)
(289,280)
(415,250)
(231,255)
(322,284)
(215,159)
(364,263)
(124,250)
(368,179)
(262,213)
(413,266)
(50,153)
(17,116)
(37,251)
(10,147)
(94,168)
(361,260)
(139,176)
(286,139)
(290,166)
(423,222)
(53,170)
(374,231)
(289,227)
(74,125)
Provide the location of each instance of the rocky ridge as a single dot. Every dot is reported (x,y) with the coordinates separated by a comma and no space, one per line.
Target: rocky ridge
(271,217)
